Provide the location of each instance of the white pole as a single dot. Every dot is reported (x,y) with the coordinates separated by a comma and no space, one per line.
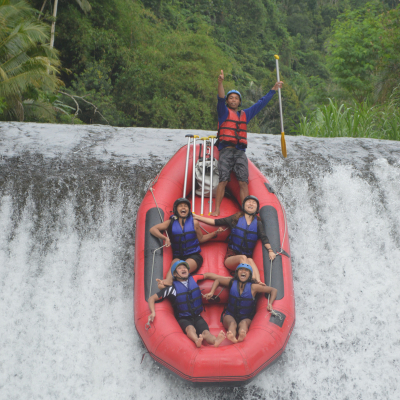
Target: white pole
(211,172)
(194,172)
(204,139)
(189,136)
(279,93)
(283,141)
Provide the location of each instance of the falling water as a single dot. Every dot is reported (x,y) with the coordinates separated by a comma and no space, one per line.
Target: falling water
(68,202)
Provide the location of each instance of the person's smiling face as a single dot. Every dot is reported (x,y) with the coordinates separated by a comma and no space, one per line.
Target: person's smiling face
(250,206)
(182,271)
(243,274)
(183,210)
(233,101)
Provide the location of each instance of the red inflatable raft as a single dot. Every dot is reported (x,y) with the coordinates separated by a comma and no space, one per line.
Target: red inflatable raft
(230,364)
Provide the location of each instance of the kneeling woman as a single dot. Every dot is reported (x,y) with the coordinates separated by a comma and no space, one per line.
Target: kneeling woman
(246,229)
(241,306)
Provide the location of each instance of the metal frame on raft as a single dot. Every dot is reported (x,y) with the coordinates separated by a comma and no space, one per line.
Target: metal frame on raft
(207,140)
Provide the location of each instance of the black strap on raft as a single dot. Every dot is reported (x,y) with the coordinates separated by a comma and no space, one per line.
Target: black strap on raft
(223,313)
(143,356)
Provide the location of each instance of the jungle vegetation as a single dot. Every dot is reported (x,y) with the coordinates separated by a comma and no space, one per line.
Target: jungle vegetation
(155,63)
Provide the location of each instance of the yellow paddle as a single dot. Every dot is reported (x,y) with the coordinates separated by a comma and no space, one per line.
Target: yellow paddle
(283,142)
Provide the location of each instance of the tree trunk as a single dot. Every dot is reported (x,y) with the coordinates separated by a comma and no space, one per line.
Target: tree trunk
(53,24)
(41,10)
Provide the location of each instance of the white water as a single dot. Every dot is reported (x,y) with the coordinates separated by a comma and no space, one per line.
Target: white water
(68,198)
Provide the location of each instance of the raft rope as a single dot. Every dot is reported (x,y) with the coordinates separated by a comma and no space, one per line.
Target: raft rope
(214,231)
(147,326)
(284,218)
(273,312)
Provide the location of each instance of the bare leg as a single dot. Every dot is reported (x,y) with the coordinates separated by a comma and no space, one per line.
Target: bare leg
(220,194)
(244,190)
(232,262)
(243,329)
(192,335)
(168,279)
(256,272)
(230,326)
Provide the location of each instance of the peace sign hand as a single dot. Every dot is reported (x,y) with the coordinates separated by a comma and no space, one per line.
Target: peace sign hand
(221,76)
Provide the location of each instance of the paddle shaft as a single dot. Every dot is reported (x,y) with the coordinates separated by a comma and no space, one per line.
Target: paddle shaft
(279,93)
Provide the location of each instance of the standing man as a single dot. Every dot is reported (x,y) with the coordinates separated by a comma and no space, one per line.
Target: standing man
(232,138)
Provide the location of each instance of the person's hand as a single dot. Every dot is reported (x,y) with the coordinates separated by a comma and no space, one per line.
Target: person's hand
(160,284)
(260,283)
(208,296)
(167,241)
(272,255)
(221,77)
(269,307)
(152,316)
(196,217)
(278,85)
(218,231)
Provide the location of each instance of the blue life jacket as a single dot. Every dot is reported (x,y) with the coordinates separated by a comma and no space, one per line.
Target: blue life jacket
(188,299)
(183,242)
(241,306)
(243,237)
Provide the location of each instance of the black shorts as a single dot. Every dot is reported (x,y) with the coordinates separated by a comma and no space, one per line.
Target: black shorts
(230,158)
(198,322)
(197,257)
(238,319)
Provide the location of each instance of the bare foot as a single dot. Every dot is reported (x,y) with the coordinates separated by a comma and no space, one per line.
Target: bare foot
(231,337)
(242,335)
(199,341)
(215,213)
(220,338)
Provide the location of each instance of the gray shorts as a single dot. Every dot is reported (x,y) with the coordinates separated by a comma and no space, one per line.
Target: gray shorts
(230,159)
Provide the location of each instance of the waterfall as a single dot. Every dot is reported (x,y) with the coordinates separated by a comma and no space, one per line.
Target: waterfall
(68,202)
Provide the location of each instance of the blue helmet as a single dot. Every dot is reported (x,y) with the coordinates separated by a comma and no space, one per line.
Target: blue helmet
(236,92)
(247,266)
(180,262)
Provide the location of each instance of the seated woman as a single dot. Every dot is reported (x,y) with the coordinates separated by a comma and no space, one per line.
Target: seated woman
(185,295)
(246,229)
(241,306)
(185,236)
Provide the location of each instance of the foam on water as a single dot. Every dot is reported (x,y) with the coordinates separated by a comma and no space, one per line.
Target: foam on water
(68,201)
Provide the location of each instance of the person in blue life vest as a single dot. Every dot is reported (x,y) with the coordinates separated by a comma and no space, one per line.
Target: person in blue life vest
(232,138)
(241,307)
(246,228)
(185,296)
(184,235)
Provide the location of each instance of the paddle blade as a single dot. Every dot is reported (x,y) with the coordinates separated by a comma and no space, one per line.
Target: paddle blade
(283,145)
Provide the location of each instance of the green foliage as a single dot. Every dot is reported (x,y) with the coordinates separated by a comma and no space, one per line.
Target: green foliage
(172,83)
(360,120)
(155,62)
(28,67)
(364,51)
(389,65)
